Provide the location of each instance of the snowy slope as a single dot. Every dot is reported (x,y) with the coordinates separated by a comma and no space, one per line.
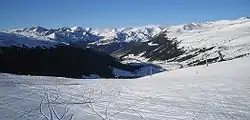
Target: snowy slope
(224,32)
(231,37)
(200,40)
(193,35)
(9,39)
(219,91)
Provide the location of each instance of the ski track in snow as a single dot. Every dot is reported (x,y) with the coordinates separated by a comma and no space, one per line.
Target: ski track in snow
(219,91)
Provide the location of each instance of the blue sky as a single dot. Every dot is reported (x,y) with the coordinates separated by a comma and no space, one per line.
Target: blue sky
(116,13)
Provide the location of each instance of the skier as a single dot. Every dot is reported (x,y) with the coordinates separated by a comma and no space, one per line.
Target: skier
(220,57)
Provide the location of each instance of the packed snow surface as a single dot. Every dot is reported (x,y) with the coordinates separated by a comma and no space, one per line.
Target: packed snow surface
(219,91)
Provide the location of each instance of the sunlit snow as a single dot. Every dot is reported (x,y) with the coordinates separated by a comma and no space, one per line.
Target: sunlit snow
(219,91)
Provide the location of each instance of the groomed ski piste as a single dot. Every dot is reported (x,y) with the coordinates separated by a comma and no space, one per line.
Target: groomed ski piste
(220,91)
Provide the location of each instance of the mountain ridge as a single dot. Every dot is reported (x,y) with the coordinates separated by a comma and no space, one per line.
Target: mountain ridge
(106,35)
(200,40)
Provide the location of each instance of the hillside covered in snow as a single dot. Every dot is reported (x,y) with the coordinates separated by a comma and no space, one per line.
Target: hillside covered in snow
(226,34)
(219,91)
(198,43)
(134,34)
(175,83)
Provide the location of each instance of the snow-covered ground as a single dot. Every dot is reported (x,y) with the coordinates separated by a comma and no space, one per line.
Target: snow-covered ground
(230,37)
(9,39)
(220,91)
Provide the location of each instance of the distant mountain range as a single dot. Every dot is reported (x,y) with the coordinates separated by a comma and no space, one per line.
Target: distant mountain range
(199,41)
(106,36)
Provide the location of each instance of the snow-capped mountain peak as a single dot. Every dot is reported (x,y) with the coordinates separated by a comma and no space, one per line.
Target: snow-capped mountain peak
(76,29)
(192,26)
(38,29)
(244,18)
(124,34)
